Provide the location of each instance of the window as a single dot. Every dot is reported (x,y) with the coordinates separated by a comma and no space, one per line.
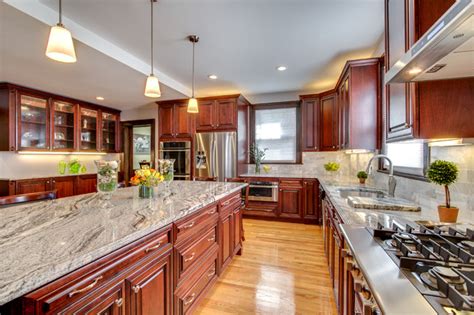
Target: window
(276,128)
(408,157)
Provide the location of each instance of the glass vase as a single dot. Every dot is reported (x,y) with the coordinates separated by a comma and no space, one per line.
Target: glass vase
(166,169)
(257,167)
(145,191)
(107,172)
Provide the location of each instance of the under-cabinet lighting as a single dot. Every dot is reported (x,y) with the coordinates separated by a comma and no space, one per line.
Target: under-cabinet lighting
(99,98)
(357,151)
(414,70)
(59,153)
(450,142)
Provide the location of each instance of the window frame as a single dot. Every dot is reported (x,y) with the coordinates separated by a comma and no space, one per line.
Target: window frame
(278,105)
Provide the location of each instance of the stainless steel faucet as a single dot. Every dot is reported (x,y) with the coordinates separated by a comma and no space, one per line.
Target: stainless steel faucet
(392,182)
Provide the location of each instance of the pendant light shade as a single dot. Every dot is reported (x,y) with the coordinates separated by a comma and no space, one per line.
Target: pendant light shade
(60,45)
(193,106)
(152,87)
(193,103)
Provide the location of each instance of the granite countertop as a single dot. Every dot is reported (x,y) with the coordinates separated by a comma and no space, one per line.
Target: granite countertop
(280,175)
(43,242)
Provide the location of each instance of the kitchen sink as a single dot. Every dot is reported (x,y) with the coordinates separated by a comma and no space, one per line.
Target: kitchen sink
(361,192)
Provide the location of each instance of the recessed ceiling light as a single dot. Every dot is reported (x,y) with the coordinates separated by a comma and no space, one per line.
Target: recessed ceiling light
(99,98)
(281,68)
(212,77)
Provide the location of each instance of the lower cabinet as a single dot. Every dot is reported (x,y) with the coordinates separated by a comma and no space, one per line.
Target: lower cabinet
(311,201)
(27,186)
(65,186)
(238,231)
(230,220)
(290,199)
(86,184)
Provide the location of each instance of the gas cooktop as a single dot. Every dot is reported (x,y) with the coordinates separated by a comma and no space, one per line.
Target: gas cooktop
(439,262)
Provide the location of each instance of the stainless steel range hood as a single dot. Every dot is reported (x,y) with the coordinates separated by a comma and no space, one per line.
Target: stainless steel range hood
(446,51)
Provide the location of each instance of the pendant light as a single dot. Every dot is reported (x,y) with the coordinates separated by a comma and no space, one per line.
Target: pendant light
(60,45)
(152,87)
(192,103)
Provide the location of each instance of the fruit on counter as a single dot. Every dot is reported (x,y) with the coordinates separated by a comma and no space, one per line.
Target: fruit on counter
(332,166)
(267,168)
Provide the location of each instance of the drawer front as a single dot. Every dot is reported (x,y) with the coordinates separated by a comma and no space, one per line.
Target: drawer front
(187,257)
(229,204)
(291,183)
(198,221)
(188,300)
(91,278)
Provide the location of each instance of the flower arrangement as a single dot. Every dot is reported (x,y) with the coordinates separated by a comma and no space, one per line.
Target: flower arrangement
(147,177)
(257,155)
(444,173)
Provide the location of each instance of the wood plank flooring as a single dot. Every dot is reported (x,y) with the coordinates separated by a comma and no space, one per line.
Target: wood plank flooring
(282,270)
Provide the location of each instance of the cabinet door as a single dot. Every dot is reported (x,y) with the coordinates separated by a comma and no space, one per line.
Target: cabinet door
(238,228)
(329,124)
(310,124)
(110,302)
(226,240)
(86,184)
(33,122)
(290,202)
(89,121)
(311,200)
(166,121)
(337,272)
(149,288)
(398,95)
(65,186)
(343,107)
(205,120)
(184,122)
(64,126)
(226,114)
(109,131)
(27,186)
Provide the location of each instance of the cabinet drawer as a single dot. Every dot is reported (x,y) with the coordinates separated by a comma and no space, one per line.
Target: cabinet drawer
(192,253)
(291,183)
(187,299)
(92,278)
(188,226)
(230,203)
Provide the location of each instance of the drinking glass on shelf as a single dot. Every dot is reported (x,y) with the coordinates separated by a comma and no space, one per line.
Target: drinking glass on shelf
(166,169)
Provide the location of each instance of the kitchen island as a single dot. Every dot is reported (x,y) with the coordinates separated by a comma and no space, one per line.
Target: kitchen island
(79,253)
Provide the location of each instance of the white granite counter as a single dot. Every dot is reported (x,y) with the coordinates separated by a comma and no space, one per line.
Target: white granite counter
(43,241)
(273,174)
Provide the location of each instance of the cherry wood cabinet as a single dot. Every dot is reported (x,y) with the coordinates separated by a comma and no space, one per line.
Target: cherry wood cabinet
(310,122)
(174,120)
(311,201)
(86,184)
(65,186)
(229,222)
(217,114)
(33,120)
(414,109)
(329,122)
(206,117)
(27,186)
(290,198)
(238,231)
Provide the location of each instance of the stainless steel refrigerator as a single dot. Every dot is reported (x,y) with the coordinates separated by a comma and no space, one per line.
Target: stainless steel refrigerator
(215,155)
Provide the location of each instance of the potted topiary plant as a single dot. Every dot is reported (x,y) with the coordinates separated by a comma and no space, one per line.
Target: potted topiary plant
(362,176)
(444,173)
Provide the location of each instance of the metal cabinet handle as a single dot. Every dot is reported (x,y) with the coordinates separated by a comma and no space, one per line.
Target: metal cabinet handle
(211,273)
(212,211)
(189,299)
(136,288)
(190,257)
(149,249)
(190,225)
(119,302)
(226,203)
(86,288)
(211,239)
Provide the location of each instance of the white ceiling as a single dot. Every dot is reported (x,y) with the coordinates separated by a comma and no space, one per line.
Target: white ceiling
(242,41)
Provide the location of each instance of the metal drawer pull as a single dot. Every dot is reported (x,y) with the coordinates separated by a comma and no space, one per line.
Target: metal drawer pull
(149,249)
(87,288)
(136,288)
(226,203)
(190,258)
(212,211)
(190,225)
(211,239)
(119,302)
(189,299)
(211,273)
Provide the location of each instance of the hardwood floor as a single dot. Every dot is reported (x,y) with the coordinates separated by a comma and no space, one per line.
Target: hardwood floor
(282,270)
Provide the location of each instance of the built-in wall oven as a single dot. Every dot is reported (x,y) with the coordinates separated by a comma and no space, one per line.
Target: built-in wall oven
(180,151)
(263,191)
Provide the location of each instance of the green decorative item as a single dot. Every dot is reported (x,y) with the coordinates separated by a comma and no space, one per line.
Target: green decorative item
(145,191)
(444,173)
(83,169)
(362,176)
(257,155)
(106,177)
(62,165)
(74,166)
(332,166)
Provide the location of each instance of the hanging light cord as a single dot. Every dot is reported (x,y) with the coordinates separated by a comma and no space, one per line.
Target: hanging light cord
(194,43)
(60,13)
(151,1)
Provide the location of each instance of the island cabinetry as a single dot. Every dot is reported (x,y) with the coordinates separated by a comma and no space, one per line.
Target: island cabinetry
(102,285)
(227,225)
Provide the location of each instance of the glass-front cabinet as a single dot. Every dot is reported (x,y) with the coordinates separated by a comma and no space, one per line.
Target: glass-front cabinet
(109,132)
(63,126)
(88,127)
(33,123)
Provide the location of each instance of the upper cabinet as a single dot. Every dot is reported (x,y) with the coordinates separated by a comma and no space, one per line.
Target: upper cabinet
(310,111)
(329,132)
(36,121)
(426,110)
(174,120)
(217,114)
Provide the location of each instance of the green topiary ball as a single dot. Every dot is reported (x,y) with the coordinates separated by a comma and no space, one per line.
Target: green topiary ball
(443,172)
